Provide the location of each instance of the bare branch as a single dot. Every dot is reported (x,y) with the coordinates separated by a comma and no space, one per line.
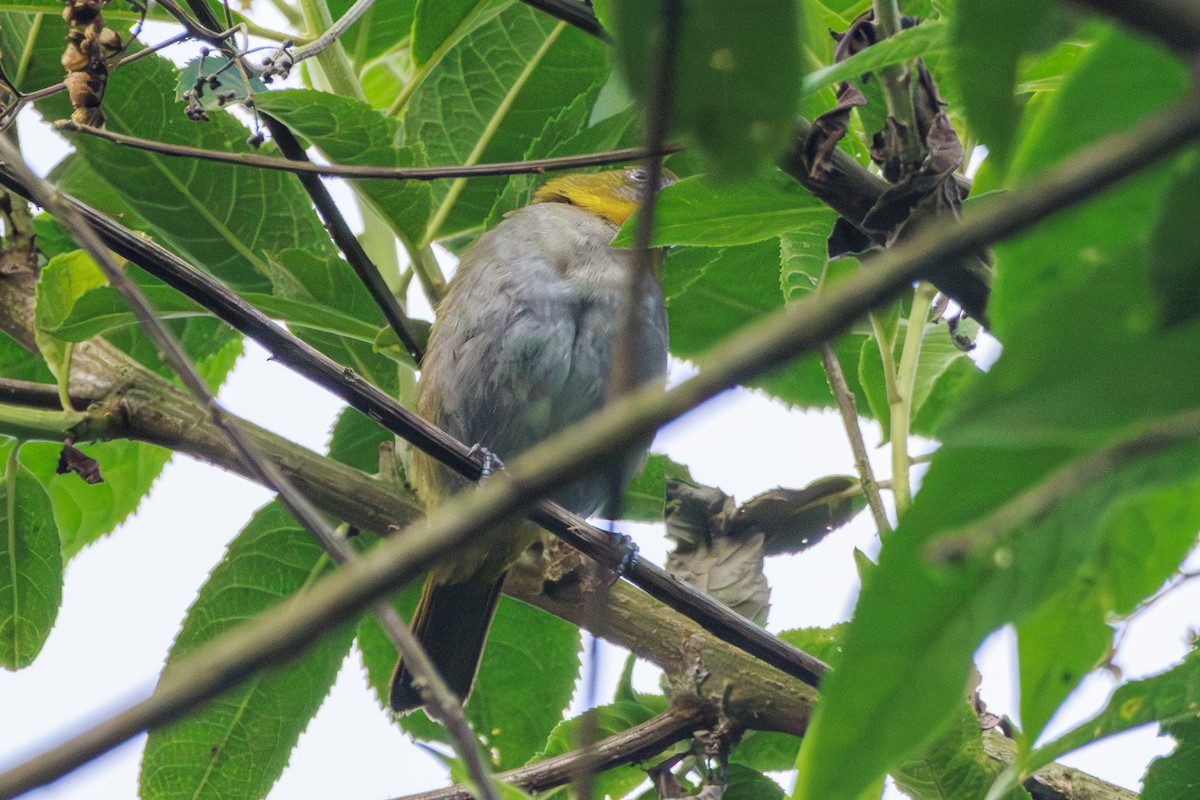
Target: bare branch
(849,412)
(283,62)
(627,747)
(530,167)
(346,241)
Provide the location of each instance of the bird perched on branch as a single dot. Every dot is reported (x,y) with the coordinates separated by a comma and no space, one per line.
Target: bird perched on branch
(522,348)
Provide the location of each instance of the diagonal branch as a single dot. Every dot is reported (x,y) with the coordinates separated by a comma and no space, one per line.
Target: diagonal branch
(800,328)
(345,239)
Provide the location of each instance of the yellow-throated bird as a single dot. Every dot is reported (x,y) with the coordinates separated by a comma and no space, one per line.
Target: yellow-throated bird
(522,348)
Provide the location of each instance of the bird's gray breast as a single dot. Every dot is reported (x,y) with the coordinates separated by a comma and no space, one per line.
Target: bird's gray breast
(524,342)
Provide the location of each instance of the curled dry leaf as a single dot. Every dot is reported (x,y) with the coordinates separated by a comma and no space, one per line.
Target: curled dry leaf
(90,47)
(922,190)
(72,459)
(720,546)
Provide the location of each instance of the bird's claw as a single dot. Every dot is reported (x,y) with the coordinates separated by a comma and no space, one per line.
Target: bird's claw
(489,461)
(629,553)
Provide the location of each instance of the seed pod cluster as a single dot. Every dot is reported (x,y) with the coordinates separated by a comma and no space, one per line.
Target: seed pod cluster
(90,46)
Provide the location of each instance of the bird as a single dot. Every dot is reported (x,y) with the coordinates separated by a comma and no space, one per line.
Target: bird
(521,348)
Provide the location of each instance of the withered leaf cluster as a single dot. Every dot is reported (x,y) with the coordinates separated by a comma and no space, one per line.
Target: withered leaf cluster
(921,166)
(90,47)
(720,545)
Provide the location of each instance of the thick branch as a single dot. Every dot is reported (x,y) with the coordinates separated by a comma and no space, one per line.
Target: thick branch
(1054,781)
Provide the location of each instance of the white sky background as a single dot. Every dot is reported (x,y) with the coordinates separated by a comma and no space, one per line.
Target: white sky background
(126,595)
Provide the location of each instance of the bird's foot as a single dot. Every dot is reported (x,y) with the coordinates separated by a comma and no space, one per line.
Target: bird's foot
(489,461)
(629,553)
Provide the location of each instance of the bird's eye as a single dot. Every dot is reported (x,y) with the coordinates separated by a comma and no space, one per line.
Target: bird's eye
(638,174)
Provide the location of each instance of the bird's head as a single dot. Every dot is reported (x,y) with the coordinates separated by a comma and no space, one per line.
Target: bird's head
(614,195)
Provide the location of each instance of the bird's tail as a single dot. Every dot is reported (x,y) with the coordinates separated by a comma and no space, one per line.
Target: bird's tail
(451,622)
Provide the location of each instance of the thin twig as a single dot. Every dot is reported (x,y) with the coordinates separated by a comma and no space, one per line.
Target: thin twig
(900,409)
(532,166)
(323,41)
(440,698)
(346,241)
(849,412)
(801,327)
(37,395)
(627,747)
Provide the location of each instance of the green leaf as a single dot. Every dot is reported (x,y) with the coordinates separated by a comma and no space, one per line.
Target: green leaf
(352,133)
(1057,645)
(1149,535)
(31,568)
(489,97)
(1178,774)
(319,280)
(75,303)
(238,744)
(103,309)
(744,783)
(713,292)
(30,48)
(644,497)
(440,23)
(381,29)
(766,751)
(1171,698)
(954,765)
(355,440)
(943,371)
(695,212)
(736,77)
(525,681)
(225,219)
(1071,283)
(925,39)
(84,512)
(61,282)
(1174,262)
(988,38)
(824,643)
